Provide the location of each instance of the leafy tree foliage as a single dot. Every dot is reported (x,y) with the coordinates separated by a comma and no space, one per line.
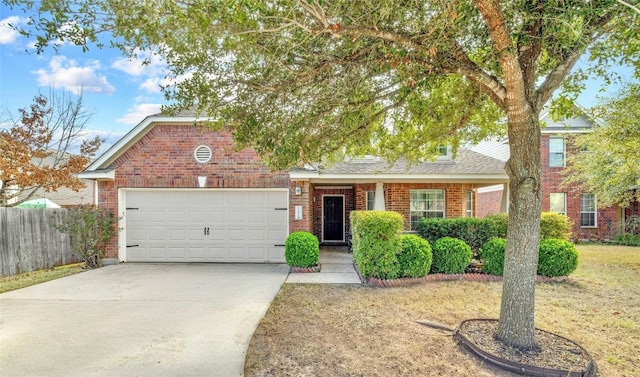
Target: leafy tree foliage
(90,230)
(35,149)
(300,80)
(607,162)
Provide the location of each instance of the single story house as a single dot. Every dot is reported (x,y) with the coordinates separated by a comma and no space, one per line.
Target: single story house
(183,194)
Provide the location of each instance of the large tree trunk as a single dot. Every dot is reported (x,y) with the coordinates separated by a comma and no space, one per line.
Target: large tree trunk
(516,325)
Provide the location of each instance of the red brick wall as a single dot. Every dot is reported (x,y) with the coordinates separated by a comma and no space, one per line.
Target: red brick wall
(552,178)
(163,158)
(305,200)
(488,203)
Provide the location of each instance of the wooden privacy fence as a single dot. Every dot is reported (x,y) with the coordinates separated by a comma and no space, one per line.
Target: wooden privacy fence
(29,241)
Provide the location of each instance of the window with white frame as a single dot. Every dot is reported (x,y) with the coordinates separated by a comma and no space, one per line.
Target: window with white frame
(428,203)
(371,200)
(558,202)
(469,203)
(557,155)
(588,214)
(444,152)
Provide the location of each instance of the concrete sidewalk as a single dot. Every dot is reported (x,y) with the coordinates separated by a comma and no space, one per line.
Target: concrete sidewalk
(336,267)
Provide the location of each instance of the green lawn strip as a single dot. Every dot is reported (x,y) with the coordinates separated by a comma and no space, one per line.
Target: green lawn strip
(10,283)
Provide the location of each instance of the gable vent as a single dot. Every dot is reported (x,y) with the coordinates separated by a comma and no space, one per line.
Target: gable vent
(202,154)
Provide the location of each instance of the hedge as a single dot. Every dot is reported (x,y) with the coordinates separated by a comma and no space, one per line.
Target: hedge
(450,256)
(415,257)
(492,256)
(473,231)
(376,242)
(556,257)
(477,232)
(302,249)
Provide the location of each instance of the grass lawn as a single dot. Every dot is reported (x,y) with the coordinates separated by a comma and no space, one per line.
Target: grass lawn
(9,283)
(347,330)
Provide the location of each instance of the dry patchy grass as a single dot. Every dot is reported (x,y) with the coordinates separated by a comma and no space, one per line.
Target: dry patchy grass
(10,283)
(346,330)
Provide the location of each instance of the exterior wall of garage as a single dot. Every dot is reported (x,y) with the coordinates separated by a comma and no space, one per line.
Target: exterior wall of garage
(164,158)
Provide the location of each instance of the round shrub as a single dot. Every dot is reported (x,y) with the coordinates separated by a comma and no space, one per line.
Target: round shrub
(414,259)
(557,258)
(302,249)
(450,256)
(555,225)
(492,256)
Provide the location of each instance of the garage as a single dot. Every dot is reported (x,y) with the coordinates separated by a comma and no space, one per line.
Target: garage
(206,225)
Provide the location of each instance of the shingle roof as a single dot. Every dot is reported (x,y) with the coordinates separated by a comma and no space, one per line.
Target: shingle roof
(466,162)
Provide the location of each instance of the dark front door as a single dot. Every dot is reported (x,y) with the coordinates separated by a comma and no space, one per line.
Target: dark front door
(333,224)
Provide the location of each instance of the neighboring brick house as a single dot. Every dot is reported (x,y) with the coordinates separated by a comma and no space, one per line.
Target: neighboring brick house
(182,193)
(590,222)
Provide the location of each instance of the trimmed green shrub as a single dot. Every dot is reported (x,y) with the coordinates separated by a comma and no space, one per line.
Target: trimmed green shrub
(498,224)
(450,256)
(557,258)
(302,249)
(414,260)
(475,232)
(492,256)
(376,242)
(555,225)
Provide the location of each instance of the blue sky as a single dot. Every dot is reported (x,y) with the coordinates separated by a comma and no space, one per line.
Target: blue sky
(121,92)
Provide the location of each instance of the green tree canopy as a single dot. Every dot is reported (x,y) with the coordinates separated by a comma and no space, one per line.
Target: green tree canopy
(608,163)
(300,80)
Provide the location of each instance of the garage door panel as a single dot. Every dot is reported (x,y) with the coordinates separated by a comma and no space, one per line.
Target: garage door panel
(170,226)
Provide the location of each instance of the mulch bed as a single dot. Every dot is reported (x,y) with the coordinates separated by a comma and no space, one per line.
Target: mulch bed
(295,270)
(556,356)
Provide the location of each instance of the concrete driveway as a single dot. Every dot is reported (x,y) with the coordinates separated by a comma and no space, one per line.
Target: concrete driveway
(137,320)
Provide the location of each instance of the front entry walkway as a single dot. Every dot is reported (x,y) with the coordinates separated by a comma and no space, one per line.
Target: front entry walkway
(336,267)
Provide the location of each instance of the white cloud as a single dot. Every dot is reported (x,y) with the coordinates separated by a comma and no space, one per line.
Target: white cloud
(137,113)
(146,64)
(154,84)
(7,34)
(65,73)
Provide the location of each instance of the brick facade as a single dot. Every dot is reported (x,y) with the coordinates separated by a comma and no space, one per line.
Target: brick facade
(608,219)
(552,178)
(164,158)
(489,203)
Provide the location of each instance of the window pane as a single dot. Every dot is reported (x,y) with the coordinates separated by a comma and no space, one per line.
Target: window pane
(556,151)
(426,203)
(587,219)
(371,196)
(588,210)
(557,203)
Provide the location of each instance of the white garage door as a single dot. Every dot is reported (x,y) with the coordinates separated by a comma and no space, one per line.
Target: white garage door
(206,226)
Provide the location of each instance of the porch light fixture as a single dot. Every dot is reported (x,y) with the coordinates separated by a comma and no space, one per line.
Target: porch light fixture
(297,190)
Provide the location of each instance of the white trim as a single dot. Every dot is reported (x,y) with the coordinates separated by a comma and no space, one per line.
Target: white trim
(207,149)
(343,217)
(100,175)
(136,134)
(122,208)
(595,212)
